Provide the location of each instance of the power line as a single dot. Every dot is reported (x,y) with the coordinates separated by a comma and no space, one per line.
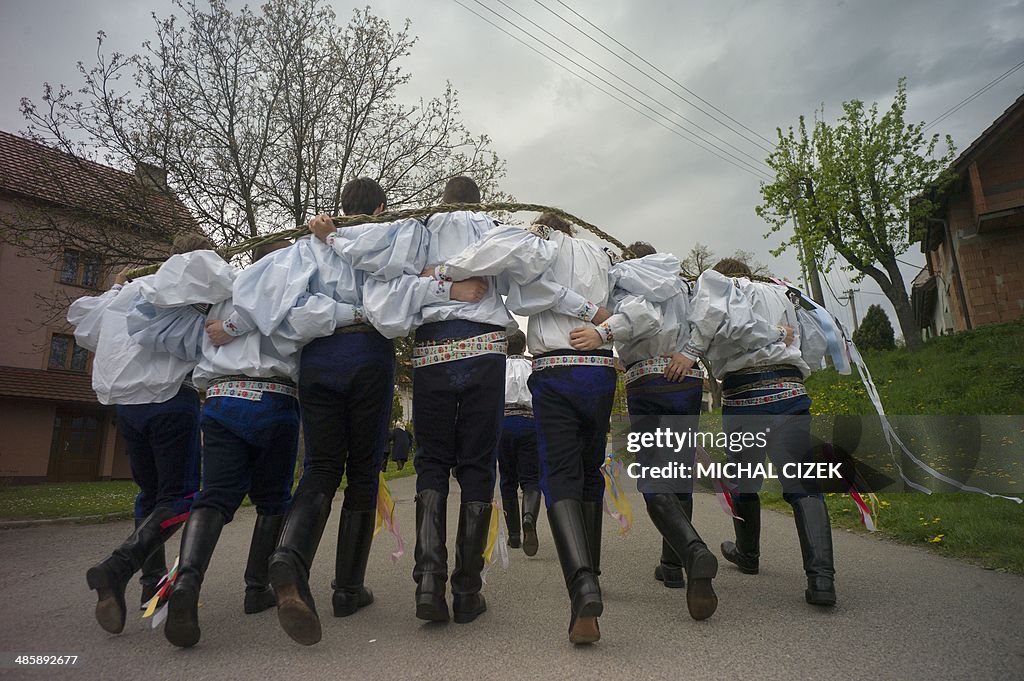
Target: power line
(824,276)
(572,61)
(974,95)
(624,81)
(690,137)
(670,78)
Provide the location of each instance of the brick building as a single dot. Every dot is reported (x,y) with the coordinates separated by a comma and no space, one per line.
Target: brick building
(53,428)
(974,242)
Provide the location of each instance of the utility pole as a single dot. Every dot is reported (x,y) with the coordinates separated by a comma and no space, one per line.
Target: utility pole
(853,304)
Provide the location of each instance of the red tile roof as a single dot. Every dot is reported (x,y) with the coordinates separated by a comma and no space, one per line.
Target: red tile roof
(38,384)
(1009,116)
(39,172)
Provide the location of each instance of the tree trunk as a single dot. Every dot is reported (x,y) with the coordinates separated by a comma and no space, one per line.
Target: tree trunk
(905,315)
(897,295)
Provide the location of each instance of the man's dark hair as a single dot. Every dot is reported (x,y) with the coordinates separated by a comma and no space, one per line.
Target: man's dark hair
(263,250)
(516,343)
(554,222)
(461,189)
(362,196)
(639,249)
(731,267)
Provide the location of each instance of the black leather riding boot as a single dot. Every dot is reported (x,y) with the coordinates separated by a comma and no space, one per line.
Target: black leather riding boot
(198,540)
(355,536)
(593,516)
(531,514)
(290,564)
(258,594)
(510,505)
(574,555)
(745,553)
(431,568)
(701,565)
(669,570)
(109,577)
(474,522)
(154,568)
(815,532)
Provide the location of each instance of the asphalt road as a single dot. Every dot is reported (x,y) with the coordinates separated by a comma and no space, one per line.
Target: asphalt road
(903,613)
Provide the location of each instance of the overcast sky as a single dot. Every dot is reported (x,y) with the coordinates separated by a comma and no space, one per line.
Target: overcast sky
(569,145)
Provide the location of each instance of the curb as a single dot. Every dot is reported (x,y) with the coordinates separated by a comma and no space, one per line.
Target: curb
(71,520)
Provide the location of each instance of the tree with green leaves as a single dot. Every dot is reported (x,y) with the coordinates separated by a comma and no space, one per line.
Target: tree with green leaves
(855,188)
(875,332)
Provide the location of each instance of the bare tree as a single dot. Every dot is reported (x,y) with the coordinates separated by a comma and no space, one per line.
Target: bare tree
(260,117)
(701,258)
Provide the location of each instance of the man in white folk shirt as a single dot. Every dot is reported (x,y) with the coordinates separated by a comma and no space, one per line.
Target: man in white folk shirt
(517,450)
(572,389)
(158,416)
(762,389)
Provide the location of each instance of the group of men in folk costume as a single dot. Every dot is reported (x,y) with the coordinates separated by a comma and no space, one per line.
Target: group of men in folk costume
(307,330)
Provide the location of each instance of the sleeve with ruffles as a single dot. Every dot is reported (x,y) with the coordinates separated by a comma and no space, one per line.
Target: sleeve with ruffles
(199,277)
(175,330)
(384,251)
(654,277)
(86,315)
(312,316)
(722,315)
(633,318)
(522,262)
(395,307)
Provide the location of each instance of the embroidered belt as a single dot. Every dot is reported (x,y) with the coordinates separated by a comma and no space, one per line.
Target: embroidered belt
(656,365)
(425,353)
(787,390)
(249,388)
(518,410)
(550,361)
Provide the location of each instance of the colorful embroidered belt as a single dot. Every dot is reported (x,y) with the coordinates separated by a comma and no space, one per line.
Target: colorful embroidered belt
(249,388)
(425,353)
(550,361)
(656,365)
(786,390)
(518,410)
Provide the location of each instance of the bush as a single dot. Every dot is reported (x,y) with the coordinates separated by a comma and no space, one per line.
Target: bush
(875,332)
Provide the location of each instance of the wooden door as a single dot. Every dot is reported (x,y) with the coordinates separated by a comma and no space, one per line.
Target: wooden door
(76,446)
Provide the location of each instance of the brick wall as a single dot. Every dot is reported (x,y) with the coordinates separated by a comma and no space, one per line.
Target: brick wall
(992,268)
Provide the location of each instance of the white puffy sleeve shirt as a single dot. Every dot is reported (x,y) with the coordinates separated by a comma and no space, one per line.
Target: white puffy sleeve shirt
(655,280)
(123,371)
(517,373)
(736,324)
(555,280)
(197,278)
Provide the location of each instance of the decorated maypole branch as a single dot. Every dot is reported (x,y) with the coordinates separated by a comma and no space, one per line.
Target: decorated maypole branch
(391,216)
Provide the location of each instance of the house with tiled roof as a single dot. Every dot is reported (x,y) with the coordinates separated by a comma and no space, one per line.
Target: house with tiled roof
(66,226)
(974,240)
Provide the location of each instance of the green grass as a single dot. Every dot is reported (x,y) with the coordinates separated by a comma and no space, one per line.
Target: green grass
(977,372)
(66,500)
(83,499)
